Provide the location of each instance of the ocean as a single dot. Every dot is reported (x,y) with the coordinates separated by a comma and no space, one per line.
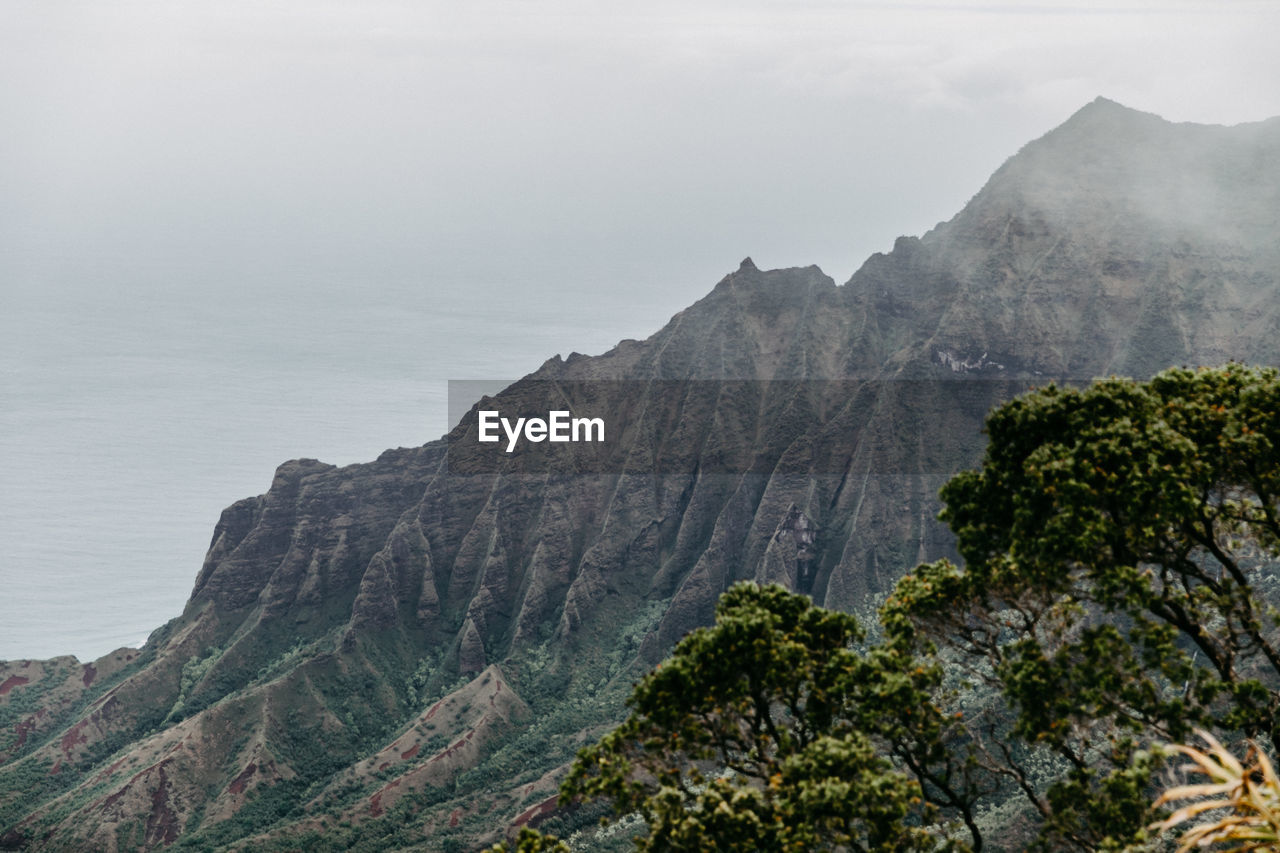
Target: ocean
(131,415)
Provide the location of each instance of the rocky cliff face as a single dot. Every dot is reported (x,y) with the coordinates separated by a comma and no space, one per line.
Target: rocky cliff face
(415,647)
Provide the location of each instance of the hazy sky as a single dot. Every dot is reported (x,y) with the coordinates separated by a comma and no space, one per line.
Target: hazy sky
(573,139)
(210,212)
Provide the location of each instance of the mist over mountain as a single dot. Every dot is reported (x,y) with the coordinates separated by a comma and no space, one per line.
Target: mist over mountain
(409,651)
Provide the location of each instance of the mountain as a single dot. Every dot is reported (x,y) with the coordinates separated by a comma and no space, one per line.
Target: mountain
(408,652)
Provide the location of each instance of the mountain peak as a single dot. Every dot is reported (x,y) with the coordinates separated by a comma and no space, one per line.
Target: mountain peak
(1103,121)
(1111,171)
(1104,104)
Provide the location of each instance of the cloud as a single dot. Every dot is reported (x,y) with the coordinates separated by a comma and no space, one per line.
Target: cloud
(305,128)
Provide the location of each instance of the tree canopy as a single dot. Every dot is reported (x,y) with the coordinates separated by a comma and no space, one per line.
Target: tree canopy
(769,731)
(1120,576)
(1120,544)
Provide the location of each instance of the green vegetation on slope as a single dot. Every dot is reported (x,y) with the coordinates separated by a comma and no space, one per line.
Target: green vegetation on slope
(1118,591)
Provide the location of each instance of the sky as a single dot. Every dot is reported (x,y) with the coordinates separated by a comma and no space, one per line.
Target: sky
(571,137)
(514,179)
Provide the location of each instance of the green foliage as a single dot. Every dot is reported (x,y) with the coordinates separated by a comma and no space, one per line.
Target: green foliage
(416,683)
(193,672)
(768,732)
(1120,543)
(285,662)
(32,778)
(531,841)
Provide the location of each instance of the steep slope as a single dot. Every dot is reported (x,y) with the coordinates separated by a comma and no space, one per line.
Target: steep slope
(411,647)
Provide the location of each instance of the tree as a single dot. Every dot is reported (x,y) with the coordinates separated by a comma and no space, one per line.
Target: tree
(531,841)
(1120,545)
(769,732)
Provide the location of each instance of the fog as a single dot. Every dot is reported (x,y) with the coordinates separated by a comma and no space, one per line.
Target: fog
(234,233)
(568,138)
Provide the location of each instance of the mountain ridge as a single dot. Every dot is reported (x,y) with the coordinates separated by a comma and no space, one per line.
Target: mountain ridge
(782,428)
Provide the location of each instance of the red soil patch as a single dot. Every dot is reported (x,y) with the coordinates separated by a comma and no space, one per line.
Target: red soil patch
(454,747)
(410,752)
(383,766)
(536,814)
(455,816)
(73,737)
(90,673)
(112,799)
(112,769)
(12,682)
(238,784)
(105,702)
(375,802)
(22,729)
(162,823)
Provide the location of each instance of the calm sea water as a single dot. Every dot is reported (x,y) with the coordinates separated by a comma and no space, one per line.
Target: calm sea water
(129,417)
